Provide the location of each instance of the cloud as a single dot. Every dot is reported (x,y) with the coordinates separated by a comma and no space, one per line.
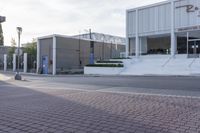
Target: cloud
(40,17)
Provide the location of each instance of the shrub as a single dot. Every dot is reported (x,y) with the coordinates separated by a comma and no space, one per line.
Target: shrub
(109,62)
(105,65)
(122,58)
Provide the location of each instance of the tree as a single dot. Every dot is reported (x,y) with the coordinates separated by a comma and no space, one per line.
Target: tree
(1,36)
(31,48)
(13,42)
(11,50)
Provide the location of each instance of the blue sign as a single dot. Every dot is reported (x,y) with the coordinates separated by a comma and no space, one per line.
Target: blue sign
(91,58)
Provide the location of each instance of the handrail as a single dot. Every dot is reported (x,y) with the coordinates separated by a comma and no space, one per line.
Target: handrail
(190,65)
(166,62)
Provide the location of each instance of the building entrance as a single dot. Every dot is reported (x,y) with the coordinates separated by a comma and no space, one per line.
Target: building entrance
(194,49)
(193,44)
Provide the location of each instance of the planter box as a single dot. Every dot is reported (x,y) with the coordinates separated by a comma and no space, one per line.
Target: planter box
(103,70)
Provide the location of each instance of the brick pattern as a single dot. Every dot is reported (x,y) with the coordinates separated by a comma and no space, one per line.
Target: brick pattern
(25,110)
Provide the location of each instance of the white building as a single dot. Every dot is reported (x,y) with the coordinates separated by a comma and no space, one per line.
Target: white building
(169,27)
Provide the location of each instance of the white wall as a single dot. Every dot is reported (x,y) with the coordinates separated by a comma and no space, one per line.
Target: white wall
(156,19)
(103,70)
(131,17)
(152,20)
(184,18)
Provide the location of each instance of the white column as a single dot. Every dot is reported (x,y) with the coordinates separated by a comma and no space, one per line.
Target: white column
(54,55)
(173,47)
(127,47)
(14,62)
(38,55)
(143,45)
(127,37)
(137,36)
(187,44)
(25,62)
(5,62)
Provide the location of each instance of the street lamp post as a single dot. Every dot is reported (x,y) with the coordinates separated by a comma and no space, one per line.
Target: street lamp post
(18,76)
(91,48)
(91,58)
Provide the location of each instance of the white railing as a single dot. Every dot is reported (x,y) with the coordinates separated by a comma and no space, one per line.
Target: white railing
(190,65)
(167,62)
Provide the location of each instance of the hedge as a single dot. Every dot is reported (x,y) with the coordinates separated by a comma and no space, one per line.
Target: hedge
(109,62)
(105,65)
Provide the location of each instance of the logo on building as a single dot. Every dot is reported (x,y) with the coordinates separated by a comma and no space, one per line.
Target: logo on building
(190,9)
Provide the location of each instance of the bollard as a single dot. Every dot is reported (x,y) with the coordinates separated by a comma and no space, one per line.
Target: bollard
(5,62)
(14,62)
(25,62)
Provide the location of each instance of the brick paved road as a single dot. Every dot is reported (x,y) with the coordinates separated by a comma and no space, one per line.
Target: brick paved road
(25,110)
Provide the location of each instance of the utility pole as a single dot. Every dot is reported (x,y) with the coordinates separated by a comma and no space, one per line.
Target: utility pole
(103,47)
(79,50)
(91,48)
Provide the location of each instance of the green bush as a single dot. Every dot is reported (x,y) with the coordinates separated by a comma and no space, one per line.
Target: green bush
(105,65)
(122,58)
(109,62)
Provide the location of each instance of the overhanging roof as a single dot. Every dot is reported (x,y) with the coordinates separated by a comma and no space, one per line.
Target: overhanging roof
(151,5)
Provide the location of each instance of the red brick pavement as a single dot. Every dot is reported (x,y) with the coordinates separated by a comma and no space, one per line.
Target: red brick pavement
(25,110)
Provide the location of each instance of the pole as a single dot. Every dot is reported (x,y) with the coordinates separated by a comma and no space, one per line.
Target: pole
(111,50)
(90,34)
(18,76)
(91,48)
(103,47)
(18,53)
(188,44)
(79,50)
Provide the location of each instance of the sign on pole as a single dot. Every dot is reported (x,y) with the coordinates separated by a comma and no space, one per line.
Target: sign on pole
(20,52)
(2,19)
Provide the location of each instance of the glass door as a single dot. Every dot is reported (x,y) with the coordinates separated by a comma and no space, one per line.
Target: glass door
(193,49)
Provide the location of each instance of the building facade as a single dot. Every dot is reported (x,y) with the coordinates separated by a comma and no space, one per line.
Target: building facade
(169,27)
(57,53)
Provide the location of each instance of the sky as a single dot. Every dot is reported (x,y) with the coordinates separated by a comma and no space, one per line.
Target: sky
(67,17)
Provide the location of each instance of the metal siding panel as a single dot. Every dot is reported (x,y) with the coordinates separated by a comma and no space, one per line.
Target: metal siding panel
(151,19)
(168,16)
(148,20)
(183,18)
(131,23)
(140,21)
(154,19)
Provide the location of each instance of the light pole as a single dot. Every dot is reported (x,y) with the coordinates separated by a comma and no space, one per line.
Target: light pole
(91,58)
(18,76)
